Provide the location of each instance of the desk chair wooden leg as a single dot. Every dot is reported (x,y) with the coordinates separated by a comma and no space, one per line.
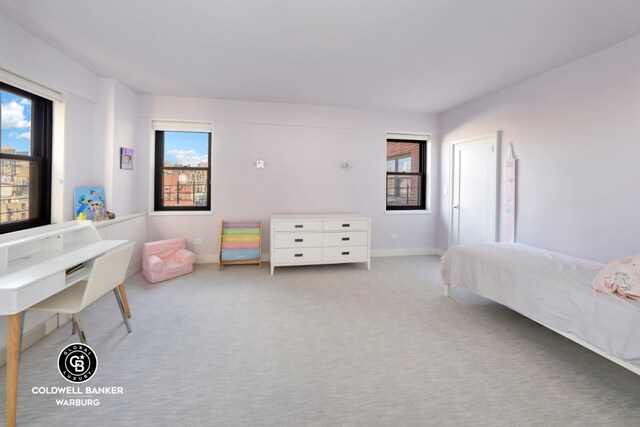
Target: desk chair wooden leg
(76,320)
(14,336)
(122,308)
(125,301)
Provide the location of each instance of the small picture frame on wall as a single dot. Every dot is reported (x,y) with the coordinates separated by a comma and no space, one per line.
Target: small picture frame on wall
(126,158)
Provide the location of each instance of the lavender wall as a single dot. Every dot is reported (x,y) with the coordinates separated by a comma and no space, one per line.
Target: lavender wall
(84,122)
(98,115)
(576,133)
(124,183)
(79,150)
(304,147)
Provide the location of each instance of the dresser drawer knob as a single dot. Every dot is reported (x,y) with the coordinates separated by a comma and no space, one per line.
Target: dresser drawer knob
(299,225)
(345,253)
(346,225)
(297,255)
(298,240)
(346,239)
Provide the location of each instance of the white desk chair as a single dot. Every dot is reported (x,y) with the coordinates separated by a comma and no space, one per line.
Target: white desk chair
(107,273)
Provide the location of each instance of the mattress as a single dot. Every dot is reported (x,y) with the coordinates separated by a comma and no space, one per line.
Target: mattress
(551,288)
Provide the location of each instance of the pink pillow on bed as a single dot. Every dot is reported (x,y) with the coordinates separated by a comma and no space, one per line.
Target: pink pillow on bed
(621,277)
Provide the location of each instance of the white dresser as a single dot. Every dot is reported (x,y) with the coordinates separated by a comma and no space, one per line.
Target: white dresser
(320,239)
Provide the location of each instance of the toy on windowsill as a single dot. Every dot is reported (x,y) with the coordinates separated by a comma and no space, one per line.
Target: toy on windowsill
(90,203)
(83,216)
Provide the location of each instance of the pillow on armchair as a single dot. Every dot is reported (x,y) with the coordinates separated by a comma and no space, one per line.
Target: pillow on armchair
(166,259)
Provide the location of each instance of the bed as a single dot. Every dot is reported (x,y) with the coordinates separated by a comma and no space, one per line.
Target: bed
(553,289)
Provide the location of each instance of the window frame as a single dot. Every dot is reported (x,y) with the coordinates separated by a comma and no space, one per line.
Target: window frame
(421,173)
(159,168)
(41,153)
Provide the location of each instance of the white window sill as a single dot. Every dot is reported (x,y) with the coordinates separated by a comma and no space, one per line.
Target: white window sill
(106,223)
(180,213)
(409,212)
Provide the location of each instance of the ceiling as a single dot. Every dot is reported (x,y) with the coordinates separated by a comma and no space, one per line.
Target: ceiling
(411,55)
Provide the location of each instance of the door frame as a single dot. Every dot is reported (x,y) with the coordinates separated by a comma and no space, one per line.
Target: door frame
(495,137)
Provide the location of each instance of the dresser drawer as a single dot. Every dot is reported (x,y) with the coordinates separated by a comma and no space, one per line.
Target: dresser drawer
(298,225)
(333,225)
(352,238)
(345,254)
(297,256)
(297,240)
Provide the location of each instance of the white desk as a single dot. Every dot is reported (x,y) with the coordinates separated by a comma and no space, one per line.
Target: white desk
(32,268)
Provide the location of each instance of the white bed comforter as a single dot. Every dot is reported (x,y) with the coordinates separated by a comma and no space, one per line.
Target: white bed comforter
(551,288)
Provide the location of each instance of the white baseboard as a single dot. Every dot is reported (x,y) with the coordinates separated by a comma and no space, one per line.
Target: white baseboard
(213,259)
(406,252)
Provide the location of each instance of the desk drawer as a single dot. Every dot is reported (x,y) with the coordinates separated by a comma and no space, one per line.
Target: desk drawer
(302,225)
(356,238)
(297,256)
(345,254)
(40,290)
(297,240)
(333,225)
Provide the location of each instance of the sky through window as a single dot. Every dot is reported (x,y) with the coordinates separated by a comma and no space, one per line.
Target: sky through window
(15,122)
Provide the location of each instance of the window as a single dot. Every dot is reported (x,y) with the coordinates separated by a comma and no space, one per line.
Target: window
(406,174)
(25,159)
(182,171)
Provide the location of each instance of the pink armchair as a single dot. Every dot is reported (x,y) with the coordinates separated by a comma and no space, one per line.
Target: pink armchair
(166,259)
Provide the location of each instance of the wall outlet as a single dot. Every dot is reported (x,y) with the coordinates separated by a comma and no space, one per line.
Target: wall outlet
(394,236)
(197,241)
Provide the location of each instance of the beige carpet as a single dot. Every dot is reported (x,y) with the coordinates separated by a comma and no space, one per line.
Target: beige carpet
(325,345)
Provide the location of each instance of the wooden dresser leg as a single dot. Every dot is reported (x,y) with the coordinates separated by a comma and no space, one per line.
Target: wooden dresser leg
(125,301)
(14,332)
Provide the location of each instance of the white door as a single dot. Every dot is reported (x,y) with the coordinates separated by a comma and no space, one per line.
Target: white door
(474,189)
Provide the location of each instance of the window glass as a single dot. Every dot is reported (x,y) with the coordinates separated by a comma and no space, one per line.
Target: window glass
(15,123)
(25,159)
(15,190)
(406,177)
(183,172)
(404,164)
(186,149)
